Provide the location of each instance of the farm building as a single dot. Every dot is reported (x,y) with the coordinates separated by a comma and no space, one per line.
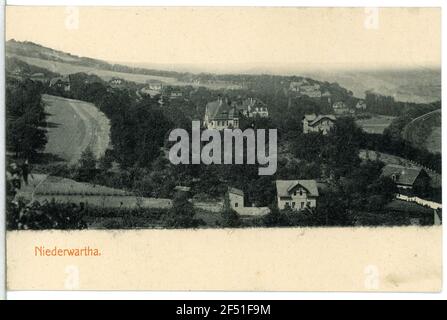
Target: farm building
(321,123)
(60,82)
(296,194)
(407,179)
(236,197)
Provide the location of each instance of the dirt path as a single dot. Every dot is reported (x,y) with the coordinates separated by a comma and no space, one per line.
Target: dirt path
(74,126)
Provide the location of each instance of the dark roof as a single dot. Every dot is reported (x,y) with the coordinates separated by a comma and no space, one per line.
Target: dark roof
(220,109)
(236,191)
(285,187)
(403,175)
(313,119)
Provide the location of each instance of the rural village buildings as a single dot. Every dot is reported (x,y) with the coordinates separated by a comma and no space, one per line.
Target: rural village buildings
(320,123)
(296,194)
(252,108)
(407,178)
(303,87)
(220,115)
(361,105)
(340,107)
(61,83)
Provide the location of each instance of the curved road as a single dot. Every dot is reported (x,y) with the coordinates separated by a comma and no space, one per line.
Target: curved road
(73,127)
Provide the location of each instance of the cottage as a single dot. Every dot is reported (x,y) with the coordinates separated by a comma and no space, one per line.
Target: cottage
(236,197)
(60,83)
(296,194)
(175,94)
(361,105)
(155,85)
(116,82)
(407,179)
(220,115)
(252,108)
(321,123)
(304,88)
(340,108)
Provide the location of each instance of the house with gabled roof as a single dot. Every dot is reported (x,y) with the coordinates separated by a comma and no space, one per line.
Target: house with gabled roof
(407,179)
(221,115)
(318,123)
(296,194)
(252,107)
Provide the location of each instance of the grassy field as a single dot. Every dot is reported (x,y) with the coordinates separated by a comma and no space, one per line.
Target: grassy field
(73,126)
(433,142)
(425,131)
(375,124)
(66,68)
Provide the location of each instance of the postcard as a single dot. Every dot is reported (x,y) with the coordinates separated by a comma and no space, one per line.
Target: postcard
(223,148)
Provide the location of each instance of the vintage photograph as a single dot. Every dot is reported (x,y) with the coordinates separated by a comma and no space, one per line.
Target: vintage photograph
(210,118)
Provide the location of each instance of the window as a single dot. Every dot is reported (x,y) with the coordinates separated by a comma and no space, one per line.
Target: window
(236,204)
(308,203)
(287,203)
(293,204)
(301,192)
(302,205)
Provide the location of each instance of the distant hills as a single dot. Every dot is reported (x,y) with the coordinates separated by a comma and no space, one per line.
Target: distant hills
(418,84)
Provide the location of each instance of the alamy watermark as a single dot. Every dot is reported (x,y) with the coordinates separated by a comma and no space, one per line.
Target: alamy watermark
(253,141)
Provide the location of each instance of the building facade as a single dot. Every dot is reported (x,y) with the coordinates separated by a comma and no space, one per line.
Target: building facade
(296,194)
(320,123)
(220,115)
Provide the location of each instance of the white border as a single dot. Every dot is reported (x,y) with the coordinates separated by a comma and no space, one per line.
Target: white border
(52,295)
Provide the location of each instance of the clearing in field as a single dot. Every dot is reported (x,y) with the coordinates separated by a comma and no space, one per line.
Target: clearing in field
(376,124)
(73,126)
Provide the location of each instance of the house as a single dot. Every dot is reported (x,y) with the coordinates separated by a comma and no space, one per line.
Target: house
(60,83)
(116,82)
(340,108)
(296,85)
(361,105)
(220,115)
(303,87)
(407,179)
(236,197)
(296,194)
(175,94)
(155,85)
(321,123)
(252,108)
(237,203)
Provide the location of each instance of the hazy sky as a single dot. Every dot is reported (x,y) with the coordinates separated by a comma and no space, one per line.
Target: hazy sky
(255,36)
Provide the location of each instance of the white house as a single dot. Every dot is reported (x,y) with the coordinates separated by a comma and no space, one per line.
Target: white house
(321,123)
(361,105)
(236,197)
(340,107)
(296,194)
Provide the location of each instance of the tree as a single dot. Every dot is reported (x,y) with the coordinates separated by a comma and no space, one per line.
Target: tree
(25,119)
(87,170)
(181,215)
(230,218)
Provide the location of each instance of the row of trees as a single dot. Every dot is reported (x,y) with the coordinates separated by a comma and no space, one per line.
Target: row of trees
(25,118)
